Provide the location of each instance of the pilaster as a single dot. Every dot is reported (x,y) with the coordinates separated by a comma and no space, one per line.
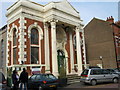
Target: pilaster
(22,40)
(47,55)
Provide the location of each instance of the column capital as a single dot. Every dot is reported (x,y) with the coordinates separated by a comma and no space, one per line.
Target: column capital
(79,28)
(53,22)
(46,24)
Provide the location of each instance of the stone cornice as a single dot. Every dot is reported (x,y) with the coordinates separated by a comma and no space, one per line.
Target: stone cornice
(46,12)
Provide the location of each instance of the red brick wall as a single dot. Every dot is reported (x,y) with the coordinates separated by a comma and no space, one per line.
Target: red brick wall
(82,47)
(29,22)
(67,47)
(50,48)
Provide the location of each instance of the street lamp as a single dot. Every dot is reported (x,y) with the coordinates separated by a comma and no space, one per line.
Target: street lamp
(101,58)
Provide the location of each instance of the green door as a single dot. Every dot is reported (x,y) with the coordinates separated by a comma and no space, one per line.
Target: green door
(61,63)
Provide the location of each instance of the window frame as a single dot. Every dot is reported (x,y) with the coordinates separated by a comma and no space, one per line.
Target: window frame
(14,46)
(32,45)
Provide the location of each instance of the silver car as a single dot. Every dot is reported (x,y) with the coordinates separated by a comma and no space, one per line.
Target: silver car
(97,75)
(115,71)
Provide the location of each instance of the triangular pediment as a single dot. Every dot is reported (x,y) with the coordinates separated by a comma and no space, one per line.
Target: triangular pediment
(65,6)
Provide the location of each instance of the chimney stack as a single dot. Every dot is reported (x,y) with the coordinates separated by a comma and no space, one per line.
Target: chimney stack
(110,19)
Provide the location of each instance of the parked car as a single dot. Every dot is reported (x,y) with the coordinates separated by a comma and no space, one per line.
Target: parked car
(3,82)
(41,81)
(115,71)
(97,75)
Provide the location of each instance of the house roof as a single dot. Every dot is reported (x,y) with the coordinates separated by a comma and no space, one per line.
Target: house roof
(3,28)
(96,21)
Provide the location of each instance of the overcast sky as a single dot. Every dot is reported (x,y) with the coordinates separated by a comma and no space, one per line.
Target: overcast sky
(88,9)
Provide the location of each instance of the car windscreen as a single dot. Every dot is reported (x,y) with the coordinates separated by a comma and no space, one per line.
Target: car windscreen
(49,77)
(85,72)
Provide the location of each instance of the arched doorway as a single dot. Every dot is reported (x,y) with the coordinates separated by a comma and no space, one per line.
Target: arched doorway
(61,63)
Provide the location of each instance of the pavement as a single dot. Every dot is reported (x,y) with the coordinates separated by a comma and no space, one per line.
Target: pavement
(81,86)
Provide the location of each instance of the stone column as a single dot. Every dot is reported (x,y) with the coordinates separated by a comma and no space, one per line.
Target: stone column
(54,48)
(71,54)
(78,48)
(47,55)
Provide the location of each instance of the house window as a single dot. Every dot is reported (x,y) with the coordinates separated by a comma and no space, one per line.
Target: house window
(14,37)
(34,46)
(2,52)
(34,55)
(34,36)
(14,47)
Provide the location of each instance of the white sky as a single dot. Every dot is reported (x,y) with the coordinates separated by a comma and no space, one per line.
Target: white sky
(88,9)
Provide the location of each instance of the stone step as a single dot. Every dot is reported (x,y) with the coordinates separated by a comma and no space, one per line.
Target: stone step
(74,78)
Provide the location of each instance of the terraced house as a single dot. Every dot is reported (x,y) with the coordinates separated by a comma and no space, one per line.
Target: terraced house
(3,42)
(103,43)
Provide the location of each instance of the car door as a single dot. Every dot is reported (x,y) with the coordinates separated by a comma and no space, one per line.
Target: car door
(38,80)
(107,76)
(96,74)
(31,81)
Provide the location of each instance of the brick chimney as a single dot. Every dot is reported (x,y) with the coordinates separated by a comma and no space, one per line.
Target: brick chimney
(110,19)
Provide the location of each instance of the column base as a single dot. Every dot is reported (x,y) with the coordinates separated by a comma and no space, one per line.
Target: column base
(47,71)
(55,74)
(79,72)
(73,71)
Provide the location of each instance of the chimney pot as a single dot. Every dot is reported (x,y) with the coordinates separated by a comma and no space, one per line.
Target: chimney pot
(110,19)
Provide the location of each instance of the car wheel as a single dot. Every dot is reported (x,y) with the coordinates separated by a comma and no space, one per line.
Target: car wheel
(40,88)
(93,82)
(115,80)
(55,88)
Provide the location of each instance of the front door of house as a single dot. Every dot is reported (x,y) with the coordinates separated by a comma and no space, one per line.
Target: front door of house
(61,63)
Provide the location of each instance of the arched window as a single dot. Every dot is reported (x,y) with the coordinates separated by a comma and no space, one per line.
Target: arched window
(14,37)
(14,47)
(2,52)
(34,46)
(34,36)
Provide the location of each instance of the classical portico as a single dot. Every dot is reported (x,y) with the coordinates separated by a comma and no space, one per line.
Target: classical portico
(60,37)
(58,44)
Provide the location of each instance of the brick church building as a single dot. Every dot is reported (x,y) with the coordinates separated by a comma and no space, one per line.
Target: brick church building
(45,38)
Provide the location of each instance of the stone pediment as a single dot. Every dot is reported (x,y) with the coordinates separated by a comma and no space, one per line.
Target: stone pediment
(62,11)
(63,6)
